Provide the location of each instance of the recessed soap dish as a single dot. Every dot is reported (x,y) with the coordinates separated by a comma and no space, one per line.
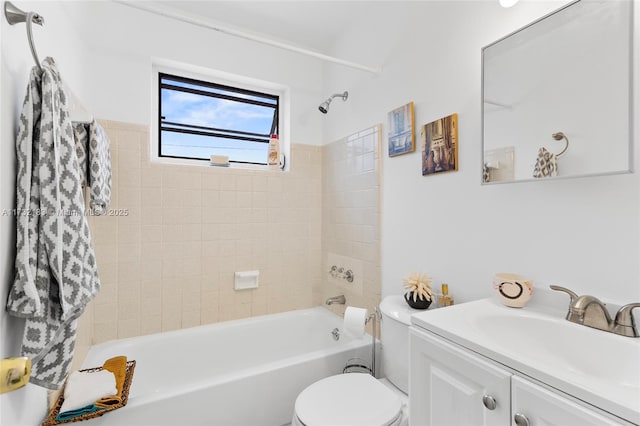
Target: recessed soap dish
(246,280)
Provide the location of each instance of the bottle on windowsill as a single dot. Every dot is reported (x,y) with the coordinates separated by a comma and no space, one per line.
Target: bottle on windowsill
(274,151)
(445,299)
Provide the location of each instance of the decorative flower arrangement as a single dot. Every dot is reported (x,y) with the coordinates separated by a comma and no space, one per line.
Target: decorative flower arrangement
(419,293)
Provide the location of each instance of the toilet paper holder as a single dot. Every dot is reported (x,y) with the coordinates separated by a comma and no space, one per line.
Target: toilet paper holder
(357,365)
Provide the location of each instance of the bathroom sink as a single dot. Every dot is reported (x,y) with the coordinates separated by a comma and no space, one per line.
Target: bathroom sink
(598,367)
(608,357)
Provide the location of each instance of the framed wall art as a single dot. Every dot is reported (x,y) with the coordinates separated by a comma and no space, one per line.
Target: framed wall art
(402,138)
(440,145)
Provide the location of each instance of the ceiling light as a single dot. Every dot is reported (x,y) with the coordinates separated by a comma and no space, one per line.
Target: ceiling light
(508,3)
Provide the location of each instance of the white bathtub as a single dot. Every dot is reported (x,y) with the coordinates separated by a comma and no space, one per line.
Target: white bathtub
(244,372)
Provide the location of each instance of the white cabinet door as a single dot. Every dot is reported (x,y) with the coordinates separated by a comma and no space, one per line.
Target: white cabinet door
(447,385)
(537,406)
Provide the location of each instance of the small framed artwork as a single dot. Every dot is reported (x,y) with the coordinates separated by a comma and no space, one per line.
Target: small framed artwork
(440,145)
(402,138)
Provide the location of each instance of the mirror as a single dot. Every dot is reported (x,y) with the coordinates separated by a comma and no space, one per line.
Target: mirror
(557,95)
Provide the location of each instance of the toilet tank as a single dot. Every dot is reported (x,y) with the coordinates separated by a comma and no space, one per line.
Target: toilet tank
(394,337)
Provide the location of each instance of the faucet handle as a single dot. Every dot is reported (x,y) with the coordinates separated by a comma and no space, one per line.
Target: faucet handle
(566,290)
(624,324)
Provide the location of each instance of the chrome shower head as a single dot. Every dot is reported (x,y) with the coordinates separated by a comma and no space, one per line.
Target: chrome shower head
(324,107)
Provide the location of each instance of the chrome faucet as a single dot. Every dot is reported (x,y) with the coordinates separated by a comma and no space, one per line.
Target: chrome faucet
(590,311)
(340,300)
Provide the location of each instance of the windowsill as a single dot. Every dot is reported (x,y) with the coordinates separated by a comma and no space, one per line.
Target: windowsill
(207,164)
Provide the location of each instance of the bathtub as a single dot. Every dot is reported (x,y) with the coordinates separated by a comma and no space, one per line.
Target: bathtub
(243,372)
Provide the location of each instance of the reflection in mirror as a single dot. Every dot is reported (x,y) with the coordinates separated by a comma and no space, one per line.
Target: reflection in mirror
(566,77)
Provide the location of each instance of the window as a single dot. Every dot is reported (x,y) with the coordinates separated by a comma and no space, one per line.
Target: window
(198,119)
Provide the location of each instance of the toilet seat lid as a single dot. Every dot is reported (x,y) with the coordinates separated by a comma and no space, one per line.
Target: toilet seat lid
(353,399)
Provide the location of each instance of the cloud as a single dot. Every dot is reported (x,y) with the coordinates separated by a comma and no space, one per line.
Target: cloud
(188,108)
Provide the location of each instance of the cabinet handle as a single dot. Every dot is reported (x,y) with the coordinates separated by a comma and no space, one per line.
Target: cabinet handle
(521,419)
(489,402)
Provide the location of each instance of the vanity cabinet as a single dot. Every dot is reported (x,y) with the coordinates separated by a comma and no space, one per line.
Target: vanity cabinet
(451,385)
(447,385)
(541,406)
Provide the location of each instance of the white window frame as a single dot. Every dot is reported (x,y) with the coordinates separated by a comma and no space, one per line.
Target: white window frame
(224,78)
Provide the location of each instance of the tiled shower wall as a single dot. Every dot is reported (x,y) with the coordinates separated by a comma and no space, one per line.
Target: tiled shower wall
(351,173)
(170,262)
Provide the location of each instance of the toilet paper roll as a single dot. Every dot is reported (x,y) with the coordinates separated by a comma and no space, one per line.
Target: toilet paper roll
(354,320)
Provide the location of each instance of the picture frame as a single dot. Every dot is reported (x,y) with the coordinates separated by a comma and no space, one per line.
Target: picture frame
(401,123)
(440,145)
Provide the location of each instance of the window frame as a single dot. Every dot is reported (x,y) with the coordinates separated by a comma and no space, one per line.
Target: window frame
(219,78)
(215,132)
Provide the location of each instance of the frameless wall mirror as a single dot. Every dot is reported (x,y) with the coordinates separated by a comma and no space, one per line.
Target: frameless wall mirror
(557,95)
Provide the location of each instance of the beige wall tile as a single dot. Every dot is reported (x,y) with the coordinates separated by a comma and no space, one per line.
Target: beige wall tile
(105,313)
(150,324)
(151,197)
(128,328)
(190,319)
(350,216)
(170,264)
(171,321)
(151,233)
(151,177)
(209,316)
(151,215)
(103,332)
(244,183)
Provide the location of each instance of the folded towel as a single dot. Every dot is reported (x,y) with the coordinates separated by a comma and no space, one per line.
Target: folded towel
(68,415)
(546,164)
(81,139)
(94,158)
(118,366)
(85,388)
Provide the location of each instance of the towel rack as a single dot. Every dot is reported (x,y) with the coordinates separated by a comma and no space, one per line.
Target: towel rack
(77,111)
(559,136)
(16,16)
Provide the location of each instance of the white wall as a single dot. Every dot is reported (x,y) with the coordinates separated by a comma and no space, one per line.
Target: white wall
(124,41)
(29,404)
(580,233)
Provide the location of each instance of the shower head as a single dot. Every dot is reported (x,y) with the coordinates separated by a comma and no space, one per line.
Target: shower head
(324,107)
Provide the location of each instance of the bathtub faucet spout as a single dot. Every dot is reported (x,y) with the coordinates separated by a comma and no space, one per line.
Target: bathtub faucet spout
(340,300)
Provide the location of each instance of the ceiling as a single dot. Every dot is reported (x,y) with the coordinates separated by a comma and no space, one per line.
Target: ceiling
(311,24)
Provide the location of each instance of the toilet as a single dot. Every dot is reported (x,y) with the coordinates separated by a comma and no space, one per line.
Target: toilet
(358,399)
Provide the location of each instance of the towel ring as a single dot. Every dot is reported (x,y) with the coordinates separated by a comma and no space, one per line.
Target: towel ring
(559,136)
(16,16)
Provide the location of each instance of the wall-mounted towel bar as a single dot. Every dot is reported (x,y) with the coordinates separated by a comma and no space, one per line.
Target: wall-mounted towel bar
(559,136)
(16,16)
(77,111)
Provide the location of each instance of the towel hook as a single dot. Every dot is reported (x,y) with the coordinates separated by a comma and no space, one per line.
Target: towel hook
(559,136)
(16,16)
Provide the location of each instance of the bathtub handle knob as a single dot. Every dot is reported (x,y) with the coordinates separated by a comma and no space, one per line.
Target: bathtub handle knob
(349,276)
(336,333)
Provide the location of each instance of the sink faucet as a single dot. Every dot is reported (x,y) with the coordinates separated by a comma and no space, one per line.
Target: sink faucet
(340,300)
(590,311)
(624,323)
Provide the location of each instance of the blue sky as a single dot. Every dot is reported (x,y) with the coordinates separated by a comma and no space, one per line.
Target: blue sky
(199,110)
